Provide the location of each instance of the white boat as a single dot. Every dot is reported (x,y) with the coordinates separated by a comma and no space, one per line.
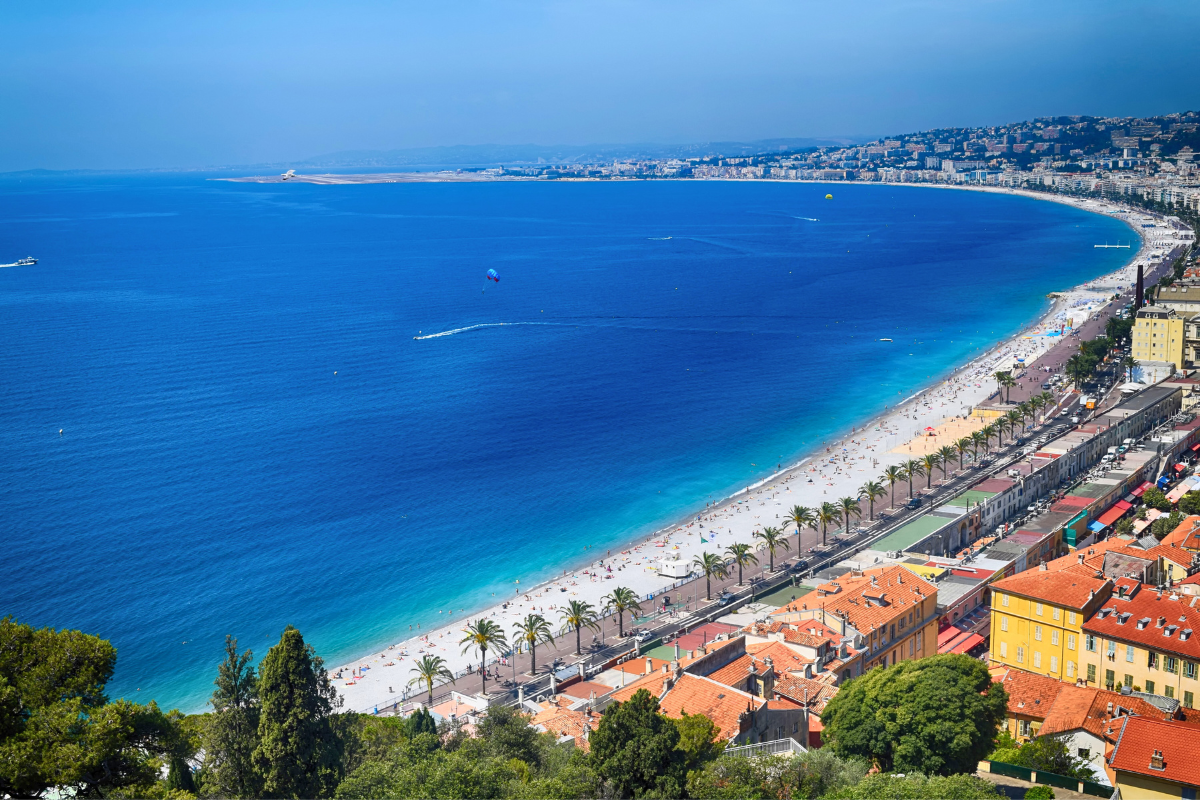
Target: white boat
(27,261)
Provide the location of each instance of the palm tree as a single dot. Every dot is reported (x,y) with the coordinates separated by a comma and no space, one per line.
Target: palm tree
(930,461)
(978,438)
(742,555)
(826,514)
(772,539)
(1127,364)
(1077,369)
(1004,381)
(848,506)
(483,634)
(1036,404)
(994,429)
(945,455)
(891,475)
(620,601)
(1015,420)
(912,468)
(534,631)
(801,517)
(710,564)
(429,669)
(872,490)
(1026,411)
(580,615)
(961,447)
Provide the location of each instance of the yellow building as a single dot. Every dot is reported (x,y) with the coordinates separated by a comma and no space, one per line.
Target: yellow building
(1145,639)
(1038,618)
(1158,336)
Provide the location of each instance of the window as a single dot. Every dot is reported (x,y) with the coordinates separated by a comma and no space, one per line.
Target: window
(1054,663)
(1004,623)
(1091,673)
(1037,609)
(1004,649)
(1055,612)
(1070,669)
(1020,655)
(1037,659)
(1149,687)
(1071,617)
(1037,633)
(1090,642)
(1187,699)
(1023,727)
(1054,636)
(1169,691)
(1171,664)
(1070,641)
(1109,679)
(1112,650)
(1004,600)
(1129,653)
(1152,661)
(1189,669)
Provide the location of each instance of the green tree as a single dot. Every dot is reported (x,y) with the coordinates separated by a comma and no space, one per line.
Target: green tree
(697,740)
(428,670)
(711,565)
(979,439)
(59,733)
(961,446)
(1190,503)
(929,463)
(535,630)
(915,786)
(1165,524)
(816,773)
(848,507)
(1051,754)
(1039,793)
(634,750)
(623,600)
(912,469)
(232,731)
(802,517)
(937,715)
(891,474)
(580,615)
(1124,527)
(872,491)
(298,754)
(507,734)
(483,635)
(946,454)
(827,514)
(741,555)
(1155,498)
(772,539)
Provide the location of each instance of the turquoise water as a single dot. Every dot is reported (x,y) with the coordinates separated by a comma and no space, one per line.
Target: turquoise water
(214,475)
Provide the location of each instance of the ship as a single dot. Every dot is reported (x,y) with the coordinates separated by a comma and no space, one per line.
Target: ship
(27,261)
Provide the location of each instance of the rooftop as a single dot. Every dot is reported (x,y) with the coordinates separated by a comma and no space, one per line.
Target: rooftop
(1162,621)
(1158,749)
(1066,588)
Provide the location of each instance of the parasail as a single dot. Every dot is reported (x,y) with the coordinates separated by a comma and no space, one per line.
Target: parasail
(828,197)
(492,276)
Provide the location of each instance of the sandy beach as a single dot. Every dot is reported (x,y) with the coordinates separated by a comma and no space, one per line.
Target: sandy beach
(835,470)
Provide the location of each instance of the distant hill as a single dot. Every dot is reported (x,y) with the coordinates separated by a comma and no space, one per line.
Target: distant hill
(492,154)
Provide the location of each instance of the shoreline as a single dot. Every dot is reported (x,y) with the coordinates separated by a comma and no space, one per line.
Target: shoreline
(880,436)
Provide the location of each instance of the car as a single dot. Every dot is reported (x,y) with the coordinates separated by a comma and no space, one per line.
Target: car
(725,599)
(913,503)
(800,566)
(643,636)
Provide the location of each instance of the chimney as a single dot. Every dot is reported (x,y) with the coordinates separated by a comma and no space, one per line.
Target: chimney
(676,649)
(1080,557)
(1042,567)
(553,684)
(582,672)
(1161,621)
(649,665)
(1156,761)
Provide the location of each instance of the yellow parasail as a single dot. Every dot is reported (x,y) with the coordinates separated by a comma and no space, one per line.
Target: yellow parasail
(828,197)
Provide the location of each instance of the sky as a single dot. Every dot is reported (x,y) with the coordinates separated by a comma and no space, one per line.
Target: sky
(130,85)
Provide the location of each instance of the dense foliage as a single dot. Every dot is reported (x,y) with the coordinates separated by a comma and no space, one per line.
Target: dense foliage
(1044,754)
(936,715)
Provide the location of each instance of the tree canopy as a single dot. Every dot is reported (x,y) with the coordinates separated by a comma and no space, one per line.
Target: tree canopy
(635,750)
(936,715)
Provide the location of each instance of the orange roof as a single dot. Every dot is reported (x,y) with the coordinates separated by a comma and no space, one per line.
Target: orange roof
(565,722)
(1092,556)
(637,665)
(798,688)
(651,683)
(1140,738)
(1186,534)
(1173,553)
(722,704)
(1065,587)
(783,657)
(870,599)
(1028,694)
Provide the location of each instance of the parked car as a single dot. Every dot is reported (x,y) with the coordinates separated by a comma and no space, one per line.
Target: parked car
(725,599)
(643,636)
(913,503)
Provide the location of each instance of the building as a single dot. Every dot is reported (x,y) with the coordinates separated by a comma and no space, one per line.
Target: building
(894,610)
(1038,618)
(1145,639)
(1155,759)
(1158,336)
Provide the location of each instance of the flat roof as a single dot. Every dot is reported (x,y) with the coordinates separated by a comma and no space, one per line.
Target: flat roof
(912,533)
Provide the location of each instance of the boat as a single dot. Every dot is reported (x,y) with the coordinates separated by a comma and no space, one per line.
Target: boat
(27,261)
(885,340)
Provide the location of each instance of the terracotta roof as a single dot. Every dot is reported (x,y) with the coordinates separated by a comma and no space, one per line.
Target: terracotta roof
(652,683)
(1173,553)
(722,704)
(1137,620)
(1177,742)
(796,688)
(1065,587)
(637,665)
(1186,534)
(584,689)
(1028,694)
(871,600)
(565,722)
(1093,556)
(783,657)
(1070,709)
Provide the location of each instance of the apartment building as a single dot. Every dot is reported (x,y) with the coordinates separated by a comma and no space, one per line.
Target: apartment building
(1158,335)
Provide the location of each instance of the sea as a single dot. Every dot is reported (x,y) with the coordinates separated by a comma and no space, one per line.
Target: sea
(231,407)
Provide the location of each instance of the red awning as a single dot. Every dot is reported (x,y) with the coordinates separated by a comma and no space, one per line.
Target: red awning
(1180,467)
(959,637)
(1111,516)
(1196,447)
(947,636)
(1123,505)
(1138,491)
(968,643)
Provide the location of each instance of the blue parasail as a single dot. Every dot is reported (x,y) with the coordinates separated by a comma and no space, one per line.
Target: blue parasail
(492,276)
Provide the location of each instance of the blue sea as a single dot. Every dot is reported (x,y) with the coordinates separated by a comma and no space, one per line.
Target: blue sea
(217,419)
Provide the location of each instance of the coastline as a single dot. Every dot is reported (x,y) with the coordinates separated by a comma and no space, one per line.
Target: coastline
(855,455)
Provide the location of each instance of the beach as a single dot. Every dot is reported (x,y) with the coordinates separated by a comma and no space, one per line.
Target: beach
(934,417)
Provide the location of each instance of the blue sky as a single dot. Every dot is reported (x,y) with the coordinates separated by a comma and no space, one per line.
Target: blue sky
(180,84)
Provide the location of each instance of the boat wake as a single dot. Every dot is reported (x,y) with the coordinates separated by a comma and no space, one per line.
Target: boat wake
(810,219)
(659,238)
(477,327)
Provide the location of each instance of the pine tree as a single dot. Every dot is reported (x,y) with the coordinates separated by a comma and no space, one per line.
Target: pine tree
(233,732)
(298,754)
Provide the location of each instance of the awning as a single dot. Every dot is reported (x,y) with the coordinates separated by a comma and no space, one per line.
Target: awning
(969,643)
(1139,490)
(959,636)
(1123,505)
(1111,516)
(1178,492)
(1095,526)
(1196,447)
(1180,467)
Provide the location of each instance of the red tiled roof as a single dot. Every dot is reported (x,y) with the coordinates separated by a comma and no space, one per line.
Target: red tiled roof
(1064,587)
(869,601)
(1028,694)
(784,658)
(1177,612)
(565,722)
(1186,534)
(721,704)
(1141,737)
(797,688)
(1176,554)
